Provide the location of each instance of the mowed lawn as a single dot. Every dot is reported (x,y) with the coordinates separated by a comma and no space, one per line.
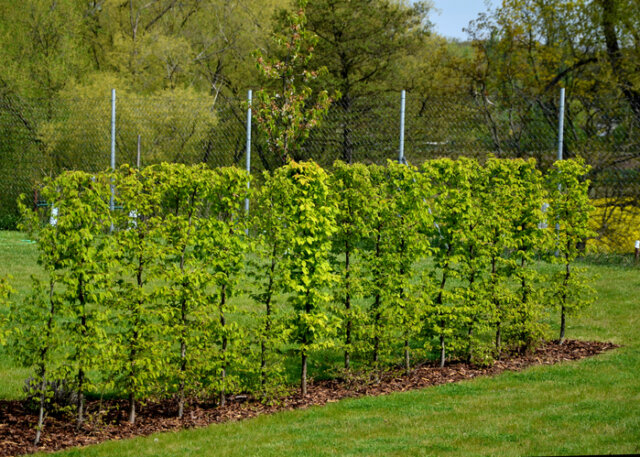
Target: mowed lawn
(586,407)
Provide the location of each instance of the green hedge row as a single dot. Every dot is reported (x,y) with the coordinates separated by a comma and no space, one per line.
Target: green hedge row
(179,294)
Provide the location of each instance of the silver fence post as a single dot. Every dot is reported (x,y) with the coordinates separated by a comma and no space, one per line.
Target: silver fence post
(248,163)
(561,125)
(560,145)
(113,149)
(402,111)
(138,155)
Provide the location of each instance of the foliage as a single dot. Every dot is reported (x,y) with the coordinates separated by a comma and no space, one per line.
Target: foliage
(309,215)
(435,261)
(286,117)
(352,190)
(137,355)
(570,209)
(616,223)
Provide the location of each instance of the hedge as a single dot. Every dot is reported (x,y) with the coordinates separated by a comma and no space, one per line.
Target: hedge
(389,266)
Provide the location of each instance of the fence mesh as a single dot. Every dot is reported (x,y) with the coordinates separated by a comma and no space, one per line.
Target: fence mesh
(42,137)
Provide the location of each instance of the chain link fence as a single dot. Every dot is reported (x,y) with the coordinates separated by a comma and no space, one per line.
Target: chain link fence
(42,137)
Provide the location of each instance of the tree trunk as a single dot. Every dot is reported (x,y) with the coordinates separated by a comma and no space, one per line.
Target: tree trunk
(614,54)
(378,315)
(81,374)
(132,408)
(565,284)
(43,387)
(303,375)
(183,313)
(80,398)
(43,365)
(442,351)
(347,144)
(347,305)
(562,324)
(267,325)
(407,358)
(183,369)
(498,310)
(225,343)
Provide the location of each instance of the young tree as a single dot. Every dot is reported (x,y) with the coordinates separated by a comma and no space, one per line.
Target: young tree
(270,243)
(307,209)
(570,209)
(379,263)
(351,189)
(137,250)
(36,321)
(82,267)
(529,240)
(221,246)
(408,225)
(453,214)
(500,195)
(186,314)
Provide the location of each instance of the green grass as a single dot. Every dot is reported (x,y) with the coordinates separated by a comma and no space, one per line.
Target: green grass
(586,407)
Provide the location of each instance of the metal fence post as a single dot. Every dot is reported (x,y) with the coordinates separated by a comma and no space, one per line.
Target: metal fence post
(560,145)
(402,111)
(113,149)
(248,163)
(138,155)
(561,125)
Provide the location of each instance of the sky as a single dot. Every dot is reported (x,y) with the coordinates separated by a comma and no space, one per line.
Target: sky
(451,16)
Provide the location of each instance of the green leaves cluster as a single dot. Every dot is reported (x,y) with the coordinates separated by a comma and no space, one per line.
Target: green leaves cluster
(387,265)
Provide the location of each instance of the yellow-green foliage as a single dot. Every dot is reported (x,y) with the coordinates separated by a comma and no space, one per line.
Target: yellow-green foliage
(617,226)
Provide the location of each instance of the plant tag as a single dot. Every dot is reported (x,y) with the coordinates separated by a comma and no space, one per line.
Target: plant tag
(53,220)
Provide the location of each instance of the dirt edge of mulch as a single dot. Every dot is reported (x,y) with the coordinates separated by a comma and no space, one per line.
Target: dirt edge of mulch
(17,424)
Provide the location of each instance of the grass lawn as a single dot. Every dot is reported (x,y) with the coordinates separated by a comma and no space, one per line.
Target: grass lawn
(587,407)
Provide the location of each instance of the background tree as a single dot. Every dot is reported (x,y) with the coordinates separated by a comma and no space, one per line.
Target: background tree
(362,43)
(286,116)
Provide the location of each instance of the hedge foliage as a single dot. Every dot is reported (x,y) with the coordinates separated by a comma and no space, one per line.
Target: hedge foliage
(380,266)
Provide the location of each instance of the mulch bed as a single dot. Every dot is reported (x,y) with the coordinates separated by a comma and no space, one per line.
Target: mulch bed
(17,423)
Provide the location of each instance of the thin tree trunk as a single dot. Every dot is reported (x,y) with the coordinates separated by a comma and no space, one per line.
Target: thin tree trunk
(43,386)
(43,366)
(183,312)
(305,342)
(303,374)
(347,305)
(442,350)
(225,342)
(81,373)
(407,357)
(267,325)
(563,319)
(378,315)
(183,369)
(133,345)
(347,144)
(498,342)
(80,398)
(438,301)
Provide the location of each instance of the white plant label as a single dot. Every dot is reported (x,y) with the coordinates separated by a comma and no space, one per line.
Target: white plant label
(53,220)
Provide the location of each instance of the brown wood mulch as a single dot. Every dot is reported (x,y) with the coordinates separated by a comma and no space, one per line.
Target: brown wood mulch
(17,423)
